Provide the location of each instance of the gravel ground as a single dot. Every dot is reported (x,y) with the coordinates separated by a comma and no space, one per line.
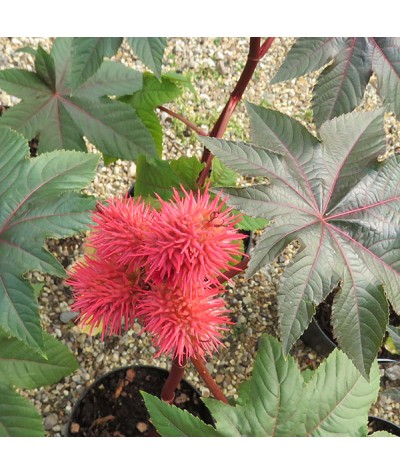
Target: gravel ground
(215,65)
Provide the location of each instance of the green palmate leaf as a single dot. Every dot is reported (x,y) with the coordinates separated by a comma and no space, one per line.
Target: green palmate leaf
(18,417)
(39,201)
(61,118)
(152,122)
(268,404)
(178,78)
(394,333)
(279,401)
(155,176)
(26,49)
(173,422)
(341,204)
(21,367)
(222,175)
(87,56)
(188,170)
(382,433)
(153,94)
(150,51)
(341,85)
(337,399)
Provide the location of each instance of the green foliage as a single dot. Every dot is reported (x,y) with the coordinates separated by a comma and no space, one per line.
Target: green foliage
(61,115)
(18,417)
(348,64)
(25,369)
(150,51)
(278,402)
(40,200)
(155,92)
(334,197)
(394,334)
(154,176)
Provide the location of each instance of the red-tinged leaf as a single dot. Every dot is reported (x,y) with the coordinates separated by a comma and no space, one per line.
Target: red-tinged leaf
(342,204)
(61,119)
(348,64)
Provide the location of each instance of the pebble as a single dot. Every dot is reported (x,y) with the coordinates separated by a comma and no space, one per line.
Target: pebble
(66,317)
(393,373)
(50,421)
(247,300)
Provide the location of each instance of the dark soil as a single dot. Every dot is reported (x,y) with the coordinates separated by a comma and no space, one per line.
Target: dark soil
(113,406)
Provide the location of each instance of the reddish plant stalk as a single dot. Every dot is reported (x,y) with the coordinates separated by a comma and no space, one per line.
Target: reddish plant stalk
(256,52)
(238,269)
(208,379)
(174,378)
(183,119)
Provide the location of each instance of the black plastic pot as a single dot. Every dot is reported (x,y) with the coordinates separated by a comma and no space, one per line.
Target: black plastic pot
(317,339)
(376,424)
(320,340)
(113,406)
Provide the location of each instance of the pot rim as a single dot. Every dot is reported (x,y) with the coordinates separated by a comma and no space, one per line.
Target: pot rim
(391,424)
(329,345)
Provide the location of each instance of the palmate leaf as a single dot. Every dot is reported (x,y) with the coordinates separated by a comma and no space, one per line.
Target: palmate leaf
(61,116)
(277,401)
(341,85)
(23,368)
(155,92)
(341,204)
(150,51)
(18,417)
(39,200)
(88,54)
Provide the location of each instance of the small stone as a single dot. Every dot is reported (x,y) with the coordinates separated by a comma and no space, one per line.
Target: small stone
(132,170)
(130,375)
(142,427)
(100,358)
(66,317)
(76,378)
(182,398)
(393,373)
(205,392)
(75,428)
(219,378)
(247,300)
(50,421)
(56,428)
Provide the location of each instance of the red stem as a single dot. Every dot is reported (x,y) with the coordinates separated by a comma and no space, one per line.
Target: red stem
(183,119)
(174,378)
(209,381)
(234,271)
(256,52)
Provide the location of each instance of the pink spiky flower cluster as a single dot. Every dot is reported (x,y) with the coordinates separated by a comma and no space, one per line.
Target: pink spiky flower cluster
(161,266)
